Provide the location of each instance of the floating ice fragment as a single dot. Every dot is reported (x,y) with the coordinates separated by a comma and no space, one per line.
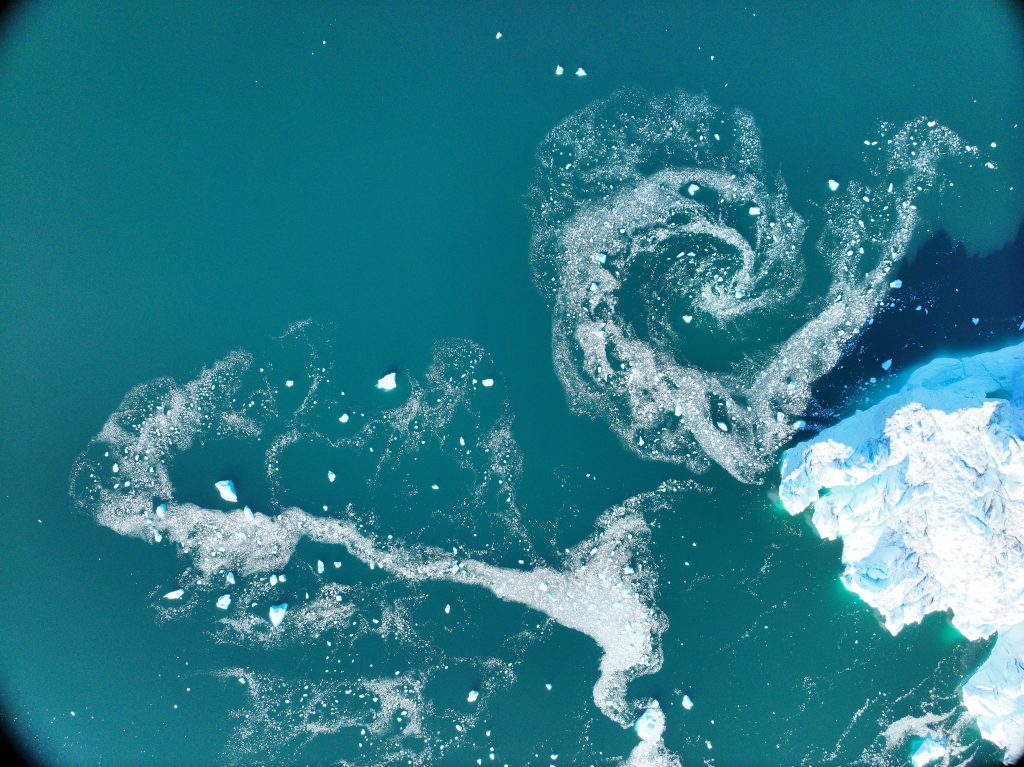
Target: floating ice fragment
(387,383)
(277,613)
(161,510)
(558,70)
(687,318)
(331,476)
(447,609)
(156,536)
(224,602)
(435,487)
(176,594)
(975,320)
(755,210)
(927,751)
(248,514)
(488,382)
(319,567)
(687,703)
(115,468)
(289,383)
(896,284)
(547,686)
(581,72)
(473,695)
(337,565)
(833,184)
(226,488)
(230,579)
(343,418)
(692,189)
(651,724)
(887,364)
(722,425)
(497,36)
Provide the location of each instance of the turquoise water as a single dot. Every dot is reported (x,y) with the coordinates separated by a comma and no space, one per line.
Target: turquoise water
(179,183)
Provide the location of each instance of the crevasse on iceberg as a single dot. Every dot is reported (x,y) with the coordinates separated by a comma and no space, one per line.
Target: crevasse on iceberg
(926,489)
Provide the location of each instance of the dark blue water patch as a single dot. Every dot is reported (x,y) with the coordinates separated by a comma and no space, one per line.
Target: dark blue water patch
(947,302)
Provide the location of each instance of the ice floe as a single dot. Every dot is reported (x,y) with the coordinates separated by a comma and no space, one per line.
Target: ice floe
(226,488)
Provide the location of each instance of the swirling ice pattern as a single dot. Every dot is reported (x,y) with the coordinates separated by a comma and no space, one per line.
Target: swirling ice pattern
(655,223)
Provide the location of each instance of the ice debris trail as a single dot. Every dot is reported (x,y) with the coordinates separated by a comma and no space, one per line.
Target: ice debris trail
(657,231)
(603,588)
(926,491)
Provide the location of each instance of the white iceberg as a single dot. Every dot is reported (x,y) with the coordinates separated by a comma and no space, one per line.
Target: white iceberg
(472,697)
(176,594)
(687,703)
(926,490)
(927,751)
(387,383)
(651,724)
(224,602)
(226,488)
(833,184)
(277,613)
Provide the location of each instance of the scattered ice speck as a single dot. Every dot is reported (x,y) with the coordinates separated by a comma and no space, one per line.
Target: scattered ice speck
(896,284)
(226,488)
(488,382)
(176,594)
(277,613)
(887,364)
(472,697)
(833,185)
(581,72)
(975,320)
(559,71)
(331,476)
(224,602)
(387,383)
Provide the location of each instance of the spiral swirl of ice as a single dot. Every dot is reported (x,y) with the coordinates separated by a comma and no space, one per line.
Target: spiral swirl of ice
(660,240)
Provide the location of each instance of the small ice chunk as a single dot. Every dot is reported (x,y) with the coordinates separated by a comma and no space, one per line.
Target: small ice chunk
(600,257)
(692,189)
(230,579)
(687,703)
(435,487)
(161,510)
(248,514)
(156,535)
(337,565)
(289,383)
(975,320)
(319,567)
(176,594)
(447,609)
(387,383)
(547,686)
(224,602)
(497,36)
(559,71)
(887,364)
(722,425)
(687,318)
(755,210)
(488,382)
(833,185)
(581,72)
(273,580)
(927,751)
(226,488)
(651,724)
(896,284)
(473,695)
(343,418)
(277,613)
(331,476)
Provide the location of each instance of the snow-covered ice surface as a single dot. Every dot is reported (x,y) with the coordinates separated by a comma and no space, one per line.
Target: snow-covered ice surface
(926,491)
(603,588)
(655,219)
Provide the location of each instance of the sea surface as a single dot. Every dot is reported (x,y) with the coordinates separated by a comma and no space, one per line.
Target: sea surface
(346,190)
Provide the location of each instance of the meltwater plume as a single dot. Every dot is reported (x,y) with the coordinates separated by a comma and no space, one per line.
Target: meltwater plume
(656,225)
(603,588)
